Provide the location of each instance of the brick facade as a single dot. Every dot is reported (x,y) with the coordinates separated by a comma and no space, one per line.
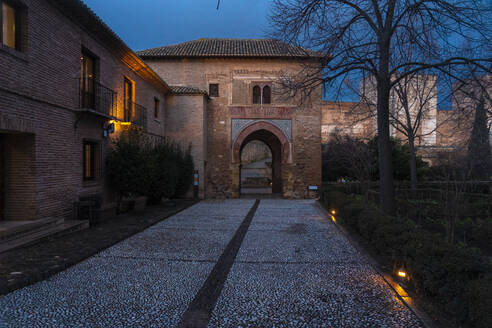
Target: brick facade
(43,126)
(42,129)
(236,78)
(186,123)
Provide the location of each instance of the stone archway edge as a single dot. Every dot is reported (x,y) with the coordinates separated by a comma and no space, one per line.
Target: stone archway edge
(239,125)
(261,125)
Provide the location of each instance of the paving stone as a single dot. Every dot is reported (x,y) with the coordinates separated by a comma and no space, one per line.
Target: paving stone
(107,292)
(173,243)
(308,295)
(294,246)
(293,269)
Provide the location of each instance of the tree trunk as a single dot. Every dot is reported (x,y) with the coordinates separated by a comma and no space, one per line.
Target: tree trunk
(386,187)
(413,163)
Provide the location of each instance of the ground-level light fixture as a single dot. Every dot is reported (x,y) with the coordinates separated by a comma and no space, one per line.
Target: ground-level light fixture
(402,274)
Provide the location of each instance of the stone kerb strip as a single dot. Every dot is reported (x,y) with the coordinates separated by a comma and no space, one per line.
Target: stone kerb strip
(200,309)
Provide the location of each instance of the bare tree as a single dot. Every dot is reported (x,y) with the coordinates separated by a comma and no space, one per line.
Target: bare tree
(413,111)
(368,38)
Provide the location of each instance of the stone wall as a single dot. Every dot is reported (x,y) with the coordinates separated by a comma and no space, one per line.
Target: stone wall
(186,123)
(347,118)
(236,77)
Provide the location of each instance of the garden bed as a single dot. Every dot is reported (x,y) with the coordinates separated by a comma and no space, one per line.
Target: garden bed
(454,277)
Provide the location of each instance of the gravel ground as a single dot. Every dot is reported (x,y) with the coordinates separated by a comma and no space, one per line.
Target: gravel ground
(294,269)
(147,280)
(27,265)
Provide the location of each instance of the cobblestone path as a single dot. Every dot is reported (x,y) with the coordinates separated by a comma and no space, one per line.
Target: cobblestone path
(285,266)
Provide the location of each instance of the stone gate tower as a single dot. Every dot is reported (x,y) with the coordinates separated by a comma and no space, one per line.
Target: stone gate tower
(240,99)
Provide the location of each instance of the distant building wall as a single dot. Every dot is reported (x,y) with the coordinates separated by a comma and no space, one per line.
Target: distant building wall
(347,118)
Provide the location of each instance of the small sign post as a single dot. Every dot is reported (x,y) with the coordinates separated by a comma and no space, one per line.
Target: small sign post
(195,184)
(312,191)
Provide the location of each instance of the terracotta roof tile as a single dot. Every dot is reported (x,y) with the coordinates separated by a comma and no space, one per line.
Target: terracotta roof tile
(230,48)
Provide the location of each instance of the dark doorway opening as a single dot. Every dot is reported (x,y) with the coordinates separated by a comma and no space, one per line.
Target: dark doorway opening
(266,170)
(17,177)
(256,168)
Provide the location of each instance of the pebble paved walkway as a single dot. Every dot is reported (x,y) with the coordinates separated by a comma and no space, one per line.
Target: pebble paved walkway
(287,267)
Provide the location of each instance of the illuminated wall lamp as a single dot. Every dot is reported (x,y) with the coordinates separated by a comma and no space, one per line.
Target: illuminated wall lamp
(333,212)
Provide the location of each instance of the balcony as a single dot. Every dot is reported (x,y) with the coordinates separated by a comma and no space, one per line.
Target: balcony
(97,99)
(135,114)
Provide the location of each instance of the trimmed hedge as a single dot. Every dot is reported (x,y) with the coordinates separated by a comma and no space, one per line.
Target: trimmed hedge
(452,275)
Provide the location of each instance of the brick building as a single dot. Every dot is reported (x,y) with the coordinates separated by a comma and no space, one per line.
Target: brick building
(68,81)
(246,103)
(68,85)
(65,77)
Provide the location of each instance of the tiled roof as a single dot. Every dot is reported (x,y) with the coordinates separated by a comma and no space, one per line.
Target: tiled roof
(230,48)
(187,90)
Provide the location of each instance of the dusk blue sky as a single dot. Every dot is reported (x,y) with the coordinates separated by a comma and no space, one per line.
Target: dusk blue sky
(152,23)
(147,24)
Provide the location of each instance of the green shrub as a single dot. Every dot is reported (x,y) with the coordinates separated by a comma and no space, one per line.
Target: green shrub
(125,164)
(368,221)
(336,199)
(479,301)
(400,155)
(356,159)
(350,214)
(186,170)
(453,275)
(162,171)
(155,169)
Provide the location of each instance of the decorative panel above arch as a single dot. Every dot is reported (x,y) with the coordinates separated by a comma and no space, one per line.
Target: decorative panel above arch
(240,124)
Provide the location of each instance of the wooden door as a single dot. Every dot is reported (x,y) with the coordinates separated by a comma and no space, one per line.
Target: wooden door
(128,96)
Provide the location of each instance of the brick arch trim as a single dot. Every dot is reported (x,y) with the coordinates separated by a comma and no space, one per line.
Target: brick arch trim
(284,141)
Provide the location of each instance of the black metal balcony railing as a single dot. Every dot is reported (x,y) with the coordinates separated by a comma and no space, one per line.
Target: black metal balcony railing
(135,113)
(97,97)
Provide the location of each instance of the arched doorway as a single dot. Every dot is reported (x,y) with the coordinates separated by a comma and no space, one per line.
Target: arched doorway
(256,168)
(276,141)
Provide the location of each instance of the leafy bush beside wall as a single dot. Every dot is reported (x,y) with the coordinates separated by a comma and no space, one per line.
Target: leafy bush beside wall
(139,166)
(185,176)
